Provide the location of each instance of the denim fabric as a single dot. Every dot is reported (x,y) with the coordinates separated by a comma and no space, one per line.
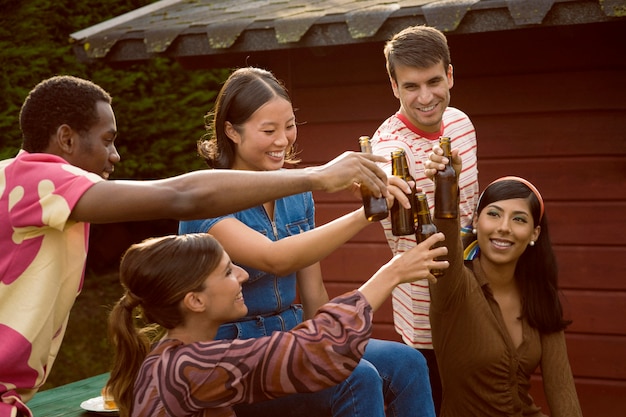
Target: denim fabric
(262,326)
(266,293)
(390,374)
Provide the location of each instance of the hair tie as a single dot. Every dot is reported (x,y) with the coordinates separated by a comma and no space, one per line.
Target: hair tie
(130,301)
(527,184)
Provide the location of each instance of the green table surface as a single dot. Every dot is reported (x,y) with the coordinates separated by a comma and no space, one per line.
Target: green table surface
(65,400)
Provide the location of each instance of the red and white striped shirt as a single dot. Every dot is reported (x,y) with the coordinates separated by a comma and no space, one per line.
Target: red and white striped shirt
(411,301)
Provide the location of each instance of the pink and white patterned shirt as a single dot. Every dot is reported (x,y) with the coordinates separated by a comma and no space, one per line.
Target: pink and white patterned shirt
(411,301)
(42,262)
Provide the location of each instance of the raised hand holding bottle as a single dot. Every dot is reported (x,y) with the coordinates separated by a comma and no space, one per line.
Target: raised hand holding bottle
(402,219)
(425,227)
(446,186)
(375,207)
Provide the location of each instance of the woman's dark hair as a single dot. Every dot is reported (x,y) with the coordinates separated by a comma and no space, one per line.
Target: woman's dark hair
(243,93)
(536,272)
(156,275)
(56,101)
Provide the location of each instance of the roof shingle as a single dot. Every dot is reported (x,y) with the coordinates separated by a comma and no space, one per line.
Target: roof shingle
(239,25)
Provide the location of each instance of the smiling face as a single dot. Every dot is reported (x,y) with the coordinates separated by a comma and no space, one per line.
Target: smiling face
(424,94)
(222,292)
(504,229)
(95,150)
(261,142)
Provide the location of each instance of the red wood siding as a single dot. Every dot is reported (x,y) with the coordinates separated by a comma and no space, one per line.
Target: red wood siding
(548,104)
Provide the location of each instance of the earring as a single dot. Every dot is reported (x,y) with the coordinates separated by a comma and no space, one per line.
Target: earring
(474,231)
(532,243)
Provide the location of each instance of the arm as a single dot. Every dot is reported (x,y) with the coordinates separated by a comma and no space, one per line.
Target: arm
(320,352)
(444,292)
(558,381)
(467,175)
(311,289)
(316,354)
(412,265)
(289,254)
(210,193)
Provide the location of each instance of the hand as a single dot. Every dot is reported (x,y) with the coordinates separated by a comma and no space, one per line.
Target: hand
(412,265)
(416,263)
(350,168)
(437,162)
(399,190)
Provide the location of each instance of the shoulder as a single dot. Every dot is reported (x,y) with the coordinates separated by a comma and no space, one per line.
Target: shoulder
(200,225)
(452,112)
(41,174)
(390,126)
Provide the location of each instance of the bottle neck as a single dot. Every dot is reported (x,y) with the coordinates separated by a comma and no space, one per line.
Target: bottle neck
(424,218)
(399,167)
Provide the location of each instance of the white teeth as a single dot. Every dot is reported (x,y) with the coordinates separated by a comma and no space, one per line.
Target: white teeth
(501,243)
(427,108)
(276,154)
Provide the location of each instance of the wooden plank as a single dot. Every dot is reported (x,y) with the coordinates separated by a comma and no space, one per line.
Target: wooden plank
(597,397)
(596,312)
(555,134)
(531,51)
(576,178)
(383,315)
(385,332)
(308,64)
(591,224)
(64,401)
(599,267)
(539,93)
(325,213)
(336,103)
(597,356)
(355,263)
(321,142)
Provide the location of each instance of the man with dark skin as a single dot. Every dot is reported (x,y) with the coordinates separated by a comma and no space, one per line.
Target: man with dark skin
(57,185)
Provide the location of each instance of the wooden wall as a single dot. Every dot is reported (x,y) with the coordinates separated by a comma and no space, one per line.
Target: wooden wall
(549,104)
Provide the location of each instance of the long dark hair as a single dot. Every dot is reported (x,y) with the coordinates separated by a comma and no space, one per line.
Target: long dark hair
(156,275)
(243,93)
(536,272)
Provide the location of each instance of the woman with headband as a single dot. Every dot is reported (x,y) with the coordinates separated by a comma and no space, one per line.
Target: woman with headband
(495,314)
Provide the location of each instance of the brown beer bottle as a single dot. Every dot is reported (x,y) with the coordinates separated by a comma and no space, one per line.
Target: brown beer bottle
(446,187)
(375,207)
(425,227)
(402,219)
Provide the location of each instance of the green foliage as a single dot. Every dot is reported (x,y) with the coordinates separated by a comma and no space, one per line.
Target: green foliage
(159,106)
(159,109)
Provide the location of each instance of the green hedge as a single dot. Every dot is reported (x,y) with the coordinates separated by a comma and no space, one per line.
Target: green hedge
(158,105)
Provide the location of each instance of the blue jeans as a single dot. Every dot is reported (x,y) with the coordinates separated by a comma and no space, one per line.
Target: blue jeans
(391,375)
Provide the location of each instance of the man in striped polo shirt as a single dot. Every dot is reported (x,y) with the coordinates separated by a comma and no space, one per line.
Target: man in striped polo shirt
(421,76)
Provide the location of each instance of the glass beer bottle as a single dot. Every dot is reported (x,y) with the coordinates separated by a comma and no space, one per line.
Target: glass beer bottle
(446,186)
(424,227)
(375,207)
(402,219)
